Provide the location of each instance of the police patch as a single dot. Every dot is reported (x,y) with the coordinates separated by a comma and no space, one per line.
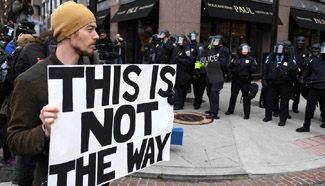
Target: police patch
(246,61)
(188,53)
(304,55)
(192,50)
(218,54)
(285,64)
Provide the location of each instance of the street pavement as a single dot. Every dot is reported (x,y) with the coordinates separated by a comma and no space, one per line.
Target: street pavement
(235,151)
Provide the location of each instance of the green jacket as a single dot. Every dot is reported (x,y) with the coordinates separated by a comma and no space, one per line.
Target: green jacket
(25,134)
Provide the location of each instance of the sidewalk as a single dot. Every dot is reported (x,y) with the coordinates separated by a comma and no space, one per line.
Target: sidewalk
(232,147)
(234,151)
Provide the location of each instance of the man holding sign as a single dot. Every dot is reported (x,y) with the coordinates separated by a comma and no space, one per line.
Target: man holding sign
(30,126)
(104,121)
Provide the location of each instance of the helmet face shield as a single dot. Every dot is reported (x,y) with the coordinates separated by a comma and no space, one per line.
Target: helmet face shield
(180,40)
(193,36)
(216,42)
(278,49)
(162,35)
(322,49)
(246,49)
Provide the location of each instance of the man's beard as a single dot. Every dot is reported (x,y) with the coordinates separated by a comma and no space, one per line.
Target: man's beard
(84,53)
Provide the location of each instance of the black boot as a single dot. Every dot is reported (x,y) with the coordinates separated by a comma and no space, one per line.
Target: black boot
(302,129)
(212,116)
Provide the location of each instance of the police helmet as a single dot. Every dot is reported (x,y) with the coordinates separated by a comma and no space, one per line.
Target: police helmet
(288,48)
(192,35)
(210,40)
(181,39)
(218,39)
(244,47)
(300,42)
(173,38)
(315,47)
(322,48)
(279,47)
(154,37)
(164,33)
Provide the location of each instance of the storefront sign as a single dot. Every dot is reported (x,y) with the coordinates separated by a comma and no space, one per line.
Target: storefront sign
(134,10)
(113,120)
(240,10)
(310,20)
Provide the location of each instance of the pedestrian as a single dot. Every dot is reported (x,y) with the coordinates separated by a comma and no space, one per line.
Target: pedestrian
(314,74)
(301,54)
(30,127)
(119,46)
(104,43)
(278,75)
(241,68)
(23,10)
(165,49)
(182,57)
(217,63)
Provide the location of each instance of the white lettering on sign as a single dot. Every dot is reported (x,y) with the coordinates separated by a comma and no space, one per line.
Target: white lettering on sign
(119,13)
(319,21)
(304,18)
(132,10)
(220,6)
(146,6)
(242,9)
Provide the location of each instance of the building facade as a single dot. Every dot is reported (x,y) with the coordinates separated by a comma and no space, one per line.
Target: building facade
(239,21)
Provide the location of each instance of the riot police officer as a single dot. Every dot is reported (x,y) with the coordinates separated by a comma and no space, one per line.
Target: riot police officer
(217,63)
(241,68)
(278,75)
(154,41)
(198,79)
(182,57)
(301,55)
(165,49)
(315,74)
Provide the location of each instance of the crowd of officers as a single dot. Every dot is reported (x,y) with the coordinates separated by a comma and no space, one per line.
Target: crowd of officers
(288,72)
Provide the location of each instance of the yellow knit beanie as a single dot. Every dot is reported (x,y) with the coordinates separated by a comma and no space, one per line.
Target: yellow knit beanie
(25,39)
(69,18)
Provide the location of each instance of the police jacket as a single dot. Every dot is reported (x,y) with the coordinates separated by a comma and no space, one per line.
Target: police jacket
(153,53)
(182,57)
(315,72)
(301,56)
(242,66)
(164,52)
(217,62)
(280,69)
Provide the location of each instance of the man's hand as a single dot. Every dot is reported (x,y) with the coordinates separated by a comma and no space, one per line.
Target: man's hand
(47,115)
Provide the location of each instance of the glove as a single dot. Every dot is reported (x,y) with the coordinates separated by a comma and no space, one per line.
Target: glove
(265,84)
(172,98)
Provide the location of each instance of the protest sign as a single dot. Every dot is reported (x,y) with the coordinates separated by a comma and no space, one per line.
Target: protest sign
(113,120)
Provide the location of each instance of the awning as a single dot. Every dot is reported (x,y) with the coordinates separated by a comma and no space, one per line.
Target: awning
(310,20)
(103,15)
(134,10)
(240,10)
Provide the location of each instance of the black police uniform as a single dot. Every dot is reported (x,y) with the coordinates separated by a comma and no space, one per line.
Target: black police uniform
(241,69)
(164,52)
(182,57)
(217,63)
(315,73)
(280,73)
(301,55)
(199,82)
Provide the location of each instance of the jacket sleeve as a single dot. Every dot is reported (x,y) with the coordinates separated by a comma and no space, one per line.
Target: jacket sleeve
(25,133)
(253,66)
(224,56)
